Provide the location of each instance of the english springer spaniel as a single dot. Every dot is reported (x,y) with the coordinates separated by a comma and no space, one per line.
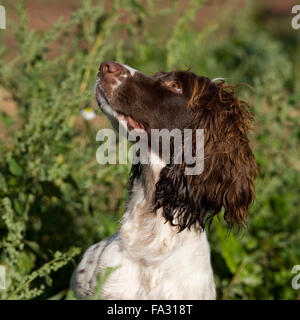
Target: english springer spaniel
(161,250)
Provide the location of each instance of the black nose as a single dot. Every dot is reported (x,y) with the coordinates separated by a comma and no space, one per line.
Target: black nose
(109,67)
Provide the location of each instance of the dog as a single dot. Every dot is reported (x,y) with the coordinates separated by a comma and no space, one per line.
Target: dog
(161,250)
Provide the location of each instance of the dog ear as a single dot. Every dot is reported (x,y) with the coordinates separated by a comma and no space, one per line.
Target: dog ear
(229,165)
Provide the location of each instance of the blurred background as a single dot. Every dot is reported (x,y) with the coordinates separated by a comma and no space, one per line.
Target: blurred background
(56,200)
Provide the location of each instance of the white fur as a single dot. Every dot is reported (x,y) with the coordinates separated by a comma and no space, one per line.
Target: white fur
(131,70)
(105,107)
(111,114)
(154,261)
(115,86)
(218,79)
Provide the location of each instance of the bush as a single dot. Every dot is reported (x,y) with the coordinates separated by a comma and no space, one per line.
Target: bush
(55,198)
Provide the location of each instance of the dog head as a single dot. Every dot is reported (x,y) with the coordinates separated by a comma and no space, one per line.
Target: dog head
(182,100)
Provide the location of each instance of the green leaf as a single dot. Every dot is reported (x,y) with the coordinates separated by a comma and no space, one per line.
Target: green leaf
(14,168)
(232,251)
(18,207)
(5,119)
(26,261)
(3,185)
(101,279)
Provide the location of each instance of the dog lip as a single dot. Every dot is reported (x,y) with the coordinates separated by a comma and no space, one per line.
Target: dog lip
(134,124)
(101,91)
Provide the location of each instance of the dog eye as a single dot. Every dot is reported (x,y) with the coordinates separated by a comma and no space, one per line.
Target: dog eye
(174,86)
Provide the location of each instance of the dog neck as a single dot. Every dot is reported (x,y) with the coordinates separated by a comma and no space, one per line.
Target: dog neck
(145,235)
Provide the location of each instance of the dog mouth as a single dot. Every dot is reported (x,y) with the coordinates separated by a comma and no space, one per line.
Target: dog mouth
(130,122)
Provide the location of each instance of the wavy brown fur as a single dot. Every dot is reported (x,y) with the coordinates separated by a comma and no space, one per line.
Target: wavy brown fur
(229,164)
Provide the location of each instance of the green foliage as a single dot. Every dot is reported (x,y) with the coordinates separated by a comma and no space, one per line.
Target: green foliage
(55,197)
(102,278)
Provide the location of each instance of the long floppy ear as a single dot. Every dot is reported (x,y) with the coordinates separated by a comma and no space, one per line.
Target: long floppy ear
(229,165)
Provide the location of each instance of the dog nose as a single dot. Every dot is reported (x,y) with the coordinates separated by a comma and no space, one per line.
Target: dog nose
(109,67)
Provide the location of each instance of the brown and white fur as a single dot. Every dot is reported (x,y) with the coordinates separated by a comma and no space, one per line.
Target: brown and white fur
(161,250)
